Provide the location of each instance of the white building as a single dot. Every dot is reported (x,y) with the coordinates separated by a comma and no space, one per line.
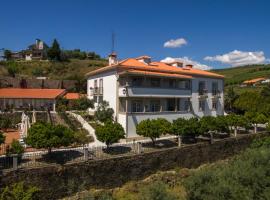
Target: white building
(138,89)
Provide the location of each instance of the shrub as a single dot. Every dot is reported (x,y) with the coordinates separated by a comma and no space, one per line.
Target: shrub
(2,137)
(15,148)
(103,112)
(109,133)
(82,137)
(83,103)
(19,191)
(206,124)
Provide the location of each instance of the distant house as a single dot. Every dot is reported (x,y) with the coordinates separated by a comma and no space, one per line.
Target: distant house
(254,82)
(37,51)
(38,99)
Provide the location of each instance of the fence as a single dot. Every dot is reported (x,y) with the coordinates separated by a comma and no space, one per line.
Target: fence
(79,154)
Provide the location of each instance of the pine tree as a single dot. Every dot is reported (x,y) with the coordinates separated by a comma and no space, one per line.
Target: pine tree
(54,53)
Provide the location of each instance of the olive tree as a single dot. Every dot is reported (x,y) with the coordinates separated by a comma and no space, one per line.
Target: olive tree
(236,121)
(109,133)
(104,112)
(256,118)
(185,127)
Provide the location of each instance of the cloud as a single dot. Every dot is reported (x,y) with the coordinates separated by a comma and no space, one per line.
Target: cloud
(185,60)
(179,42)
(238,58)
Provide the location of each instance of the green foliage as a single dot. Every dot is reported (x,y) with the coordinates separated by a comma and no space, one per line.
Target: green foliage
(109,133)
(82,137)
(230,98)
(12,69)
(15,148)
(45,135)
(185,127)
(256,118)
(7,54)
(62,104)
(157,191)
(5,123)
(261,142)
(2,138)
(103,112)
(54,52)
(153,128)
(245,177)
(207,123)
(222,124)
(83,103)
(19,191)
(82,55)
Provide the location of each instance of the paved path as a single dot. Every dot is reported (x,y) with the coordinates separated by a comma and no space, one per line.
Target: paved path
(89,128)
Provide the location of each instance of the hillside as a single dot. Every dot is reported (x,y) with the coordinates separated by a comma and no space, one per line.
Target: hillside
(237,75)
(53,70)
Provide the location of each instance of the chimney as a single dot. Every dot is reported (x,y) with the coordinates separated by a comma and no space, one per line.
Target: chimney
(144,59)
(189,66)
(113,59)
(176,64)
(37,43)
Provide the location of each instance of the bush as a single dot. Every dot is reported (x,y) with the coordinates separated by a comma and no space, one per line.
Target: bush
(83,103)
(19,191)
(82,137)
(109,133)
(15,148)
(103,112)
(206,124)
(2,137)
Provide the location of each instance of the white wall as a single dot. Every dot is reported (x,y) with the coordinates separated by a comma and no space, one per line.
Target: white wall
(109,87)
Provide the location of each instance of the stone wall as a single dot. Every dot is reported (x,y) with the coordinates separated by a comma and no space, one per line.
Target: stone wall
(62,181)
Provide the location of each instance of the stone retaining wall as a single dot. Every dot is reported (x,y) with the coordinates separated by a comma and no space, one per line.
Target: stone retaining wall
(62,181)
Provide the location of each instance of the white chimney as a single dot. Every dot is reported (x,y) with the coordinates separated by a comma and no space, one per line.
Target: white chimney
(144,59)
(176,64)
(113,59)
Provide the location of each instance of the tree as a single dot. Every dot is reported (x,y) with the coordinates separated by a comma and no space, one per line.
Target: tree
(256,118)
(46,135)
(236,121)
(54,52)
(103,112)
(153,128)
(109,133)
(185,127)
(83,103)
(2,137)
(12,69)
(82,137)
(250,101)
(5,123)
(222,124)
(230,98)
(206,124)
(15,148)
(7,54)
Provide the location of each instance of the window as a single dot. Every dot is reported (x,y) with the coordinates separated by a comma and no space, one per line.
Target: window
(172,83)
(170,105)
(155,106)
(201,105)
(137,81)
(214,105)
(186,105)
(155,82)
(95,99)
(201,87)
(95,87)
(122,105)
(214,88)
(100,99)
(187,84)
(101,86)
(137,106)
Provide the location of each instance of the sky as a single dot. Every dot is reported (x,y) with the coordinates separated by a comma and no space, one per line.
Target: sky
(206,33)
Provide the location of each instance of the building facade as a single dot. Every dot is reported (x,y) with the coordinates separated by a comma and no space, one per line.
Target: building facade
(139,89)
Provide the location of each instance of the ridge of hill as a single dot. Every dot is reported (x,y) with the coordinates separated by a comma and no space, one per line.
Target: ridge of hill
(236,75)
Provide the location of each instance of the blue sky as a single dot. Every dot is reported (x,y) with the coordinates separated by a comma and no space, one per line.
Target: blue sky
(208,28)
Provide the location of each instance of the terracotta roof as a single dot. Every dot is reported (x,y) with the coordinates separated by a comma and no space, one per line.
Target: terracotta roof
(143,72)
(254,80)
(132,63)
(19,93)
(73,96)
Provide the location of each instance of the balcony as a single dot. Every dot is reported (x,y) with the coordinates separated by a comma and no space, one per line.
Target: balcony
(153,92)
(216,94)
(97,91)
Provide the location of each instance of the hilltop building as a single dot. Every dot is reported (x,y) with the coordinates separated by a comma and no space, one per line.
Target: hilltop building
(139,89)
(256,81)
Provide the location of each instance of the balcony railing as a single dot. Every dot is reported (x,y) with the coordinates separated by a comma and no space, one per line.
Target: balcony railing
(216,94)
(96,91)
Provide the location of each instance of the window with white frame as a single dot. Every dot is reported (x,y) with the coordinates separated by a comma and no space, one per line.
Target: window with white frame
(214,105)
(186,105)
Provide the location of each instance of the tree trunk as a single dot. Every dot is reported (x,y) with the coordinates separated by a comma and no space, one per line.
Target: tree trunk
(255,128)
(235,131)
(49,151)
(153,141)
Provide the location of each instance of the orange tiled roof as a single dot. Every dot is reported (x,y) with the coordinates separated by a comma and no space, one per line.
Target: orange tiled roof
(253,80)
(155,74)
(19,93)
(73,96)
(132,63)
